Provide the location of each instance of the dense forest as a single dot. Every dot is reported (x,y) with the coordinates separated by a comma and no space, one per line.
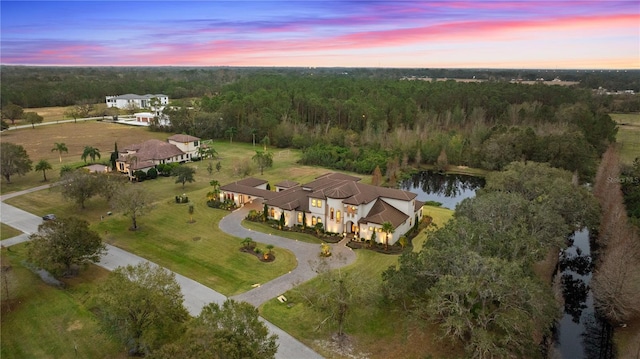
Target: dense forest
(30,86)
(357,119)
(357,124)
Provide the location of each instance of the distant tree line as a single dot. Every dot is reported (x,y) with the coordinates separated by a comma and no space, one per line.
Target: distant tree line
(357,124)
(30,86)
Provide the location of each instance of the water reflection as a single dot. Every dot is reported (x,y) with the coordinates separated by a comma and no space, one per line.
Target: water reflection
(448,189)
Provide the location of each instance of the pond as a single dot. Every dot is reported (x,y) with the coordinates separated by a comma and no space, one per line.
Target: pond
(448,189)
(581,333)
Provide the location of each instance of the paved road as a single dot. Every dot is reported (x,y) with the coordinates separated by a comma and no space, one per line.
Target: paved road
(196,295)
(53,123)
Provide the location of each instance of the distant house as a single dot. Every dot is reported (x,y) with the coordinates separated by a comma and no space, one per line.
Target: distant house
(338,201)
(146,155)
(96,168)
(133,101)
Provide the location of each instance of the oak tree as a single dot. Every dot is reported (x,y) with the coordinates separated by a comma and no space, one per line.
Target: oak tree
(13,160)
(64,243)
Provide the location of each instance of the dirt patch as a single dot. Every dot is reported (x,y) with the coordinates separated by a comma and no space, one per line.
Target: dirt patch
(341,347)
(77,325)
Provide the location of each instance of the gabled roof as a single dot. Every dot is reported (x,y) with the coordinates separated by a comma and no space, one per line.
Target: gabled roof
(183,138)
(152,150)
(383,212)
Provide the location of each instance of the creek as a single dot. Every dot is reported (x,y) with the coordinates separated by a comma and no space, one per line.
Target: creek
(580,333)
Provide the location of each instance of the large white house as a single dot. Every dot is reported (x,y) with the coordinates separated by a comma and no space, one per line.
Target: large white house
(146,155)
(133,101)
(339,201)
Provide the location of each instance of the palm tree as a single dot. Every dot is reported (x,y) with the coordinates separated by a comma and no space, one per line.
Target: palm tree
(60,147)
(387,228)
(90,152)
(265,142)
(231,131)
(216,188)
(43,166)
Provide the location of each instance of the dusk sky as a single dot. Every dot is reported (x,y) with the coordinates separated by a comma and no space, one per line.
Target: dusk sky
(452,34)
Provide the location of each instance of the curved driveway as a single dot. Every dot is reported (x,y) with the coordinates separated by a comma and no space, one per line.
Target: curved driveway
(307,255)
(196,295)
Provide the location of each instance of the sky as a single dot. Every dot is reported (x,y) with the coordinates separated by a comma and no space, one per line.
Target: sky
(310,33)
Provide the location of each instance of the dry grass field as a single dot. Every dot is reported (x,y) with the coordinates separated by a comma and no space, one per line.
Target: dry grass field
(38,143)
(628,135)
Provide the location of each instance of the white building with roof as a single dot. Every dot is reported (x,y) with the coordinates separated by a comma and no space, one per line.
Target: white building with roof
(133,101)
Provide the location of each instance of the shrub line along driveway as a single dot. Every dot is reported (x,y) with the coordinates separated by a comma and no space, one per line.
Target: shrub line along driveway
(196,295)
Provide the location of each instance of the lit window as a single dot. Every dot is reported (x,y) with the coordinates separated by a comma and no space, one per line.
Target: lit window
(331,213)
(338,216)
(300,217)
(313,203)
(273,212)
(313,220)
(319,220)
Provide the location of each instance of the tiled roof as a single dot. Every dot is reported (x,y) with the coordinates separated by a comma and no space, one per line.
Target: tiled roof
(183,138)
(287,184)
(335,185)
(418,205)
(251,182)
(154,150)
(237,187)
(383,212)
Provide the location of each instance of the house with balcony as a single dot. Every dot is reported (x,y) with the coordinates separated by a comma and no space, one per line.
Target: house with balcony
(339,201)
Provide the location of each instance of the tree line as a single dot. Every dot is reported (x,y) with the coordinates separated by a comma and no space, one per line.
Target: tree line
(42,86)
(357,124)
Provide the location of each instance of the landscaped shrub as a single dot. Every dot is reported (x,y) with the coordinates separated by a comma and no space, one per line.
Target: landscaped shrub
(140,175)
(152,173)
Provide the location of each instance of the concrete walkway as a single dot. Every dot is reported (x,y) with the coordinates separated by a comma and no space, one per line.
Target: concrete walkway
(196,295)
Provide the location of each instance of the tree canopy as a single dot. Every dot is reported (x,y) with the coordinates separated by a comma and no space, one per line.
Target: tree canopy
(231,330)
(90,152)
(63,243)
(474,277)
(142,306)
(133,201)
(78,185)
(14,160)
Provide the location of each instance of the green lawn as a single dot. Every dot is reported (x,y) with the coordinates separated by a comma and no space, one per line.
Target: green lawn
(199,250)
(40,321)
(628,135)
(8,232)
(440,216)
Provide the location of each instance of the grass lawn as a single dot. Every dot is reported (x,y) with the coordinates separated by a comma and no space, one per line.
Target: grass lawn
(373,329)
(628,135)
(440,216)
(8,232)
(199,250)
(40,321)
